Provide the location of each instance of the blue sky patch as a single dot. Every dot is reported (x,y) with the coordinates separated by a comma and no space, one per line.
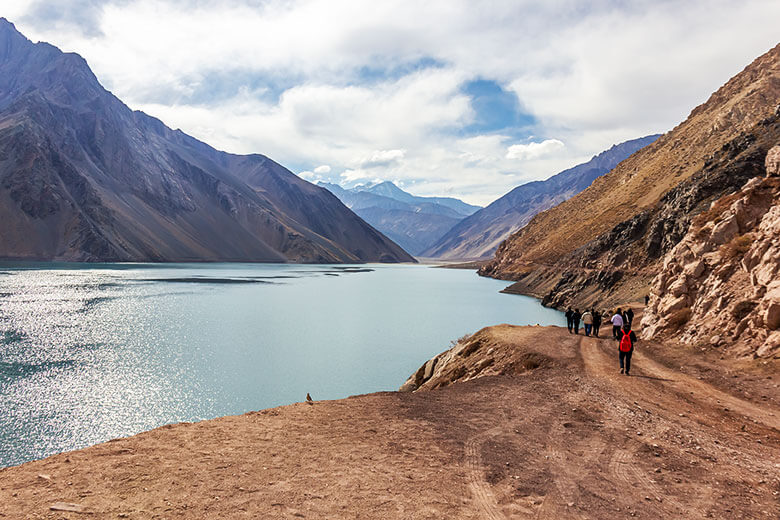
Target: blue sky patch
(497,110)
(370,74)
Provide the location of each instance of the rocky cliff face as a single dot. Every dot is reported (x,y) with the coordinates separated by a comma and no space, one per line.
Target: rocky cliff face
(84,178)
(478,235)
(606,244)
(720,285)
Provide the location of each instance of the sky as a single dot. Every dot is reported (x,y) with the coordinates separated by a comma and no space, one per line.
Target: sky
(445,98)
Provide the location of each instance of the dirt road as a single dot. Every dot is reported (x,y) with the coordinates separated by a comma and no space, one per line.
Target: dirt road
(570,438)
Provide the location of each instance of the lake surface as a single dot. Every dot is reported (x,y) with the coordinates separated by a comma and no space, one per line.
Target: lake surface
(91,352)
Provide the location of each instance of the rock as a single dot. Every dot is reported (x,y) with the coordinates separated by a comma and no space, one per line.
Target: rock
(725,230)
(772,316)
(429,366)
(67,506)
(679,287)
(409,386)
(695,269)
(674,305)
(773,162)
(770,347)
(715,340)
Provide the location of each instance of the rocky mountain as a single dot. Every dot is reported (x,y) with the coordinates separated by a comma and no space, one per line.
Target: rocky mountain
(412,222)
(479,235)
(720,286)
(84,178)
(607,243)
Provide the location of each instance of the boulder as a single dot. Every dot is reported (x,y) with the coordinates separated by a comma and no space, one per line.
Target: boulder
(772,316)
(674,305)
(725,230)
(770,347)
(409,386)
(694,269)
(772,162)
(678,288)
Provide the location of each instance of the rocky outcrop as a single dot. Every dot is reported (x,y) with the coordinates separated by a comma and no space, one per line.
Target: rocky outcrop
(484,353)
(721,284)
(773,160)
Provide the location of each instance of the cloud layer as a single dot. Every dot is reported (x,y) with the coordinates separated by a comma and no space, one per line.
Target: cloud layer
(447,97)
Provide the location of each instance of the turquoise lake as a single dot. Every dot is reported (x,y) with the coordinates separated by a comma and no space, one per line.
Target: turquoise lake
(91,352)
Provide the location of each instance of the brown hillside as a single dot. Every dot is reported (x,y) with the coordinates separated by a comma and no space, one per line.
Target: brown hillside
(714,130)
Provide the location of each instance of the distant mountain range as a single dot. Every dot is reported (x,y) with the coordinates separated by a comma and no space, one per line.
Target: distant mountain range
(84,178)
(479,235)
(414,223)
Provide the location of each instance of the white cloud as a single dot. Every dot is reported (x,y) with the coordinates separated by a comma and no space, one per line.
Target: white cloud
(530,151)
(382,159)
(322,169)
(332,82)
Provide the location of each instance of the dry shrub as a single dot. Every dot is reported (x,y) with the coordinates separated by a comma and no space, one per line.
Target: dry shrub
(680,318)
(742,309)
(462,339)
(737,248)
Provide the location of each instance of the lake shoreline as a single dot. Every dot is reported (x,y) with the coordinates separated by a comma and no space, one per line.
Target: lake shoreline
(490,439)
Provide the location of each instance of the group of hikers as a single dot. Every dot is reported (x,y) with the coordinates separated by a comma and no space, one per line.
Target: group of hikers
(621,330)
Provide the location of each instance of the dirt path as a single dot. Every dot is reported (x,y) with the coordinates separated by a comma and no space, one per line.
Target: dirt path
(566,436)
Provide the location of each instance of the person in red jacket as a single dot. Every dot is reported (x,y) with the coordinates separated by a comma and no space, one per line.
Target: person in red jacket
(626,340)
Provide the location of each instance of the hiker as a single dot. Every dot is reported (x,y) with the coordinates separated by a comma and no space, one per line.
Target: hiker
(576,319)
(569,318)
(596,322)
(630,316)
(587,321)
(617,322)
(626,340)
(647,299)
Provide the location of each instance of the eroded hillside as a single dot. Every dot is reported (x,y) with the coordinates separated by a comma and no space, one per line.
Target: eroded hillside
(606,244)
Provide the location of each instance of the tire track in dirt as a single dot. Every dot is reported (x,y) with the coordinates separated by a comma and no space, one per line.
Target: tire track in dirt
(708,393)
(670,381)
(481,492)
(567,489)
(623,467)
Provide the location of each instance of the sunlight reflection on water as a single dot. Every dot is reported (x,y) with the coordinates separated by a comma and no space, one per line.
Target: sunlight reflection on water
(90,353)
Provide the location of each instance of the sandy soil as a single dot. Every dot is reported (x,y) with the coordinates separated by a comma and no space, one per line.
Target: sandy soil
(570,439)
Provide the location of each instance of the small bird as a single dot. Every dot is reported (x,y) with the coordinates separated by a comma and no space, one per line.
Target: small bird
(309,399)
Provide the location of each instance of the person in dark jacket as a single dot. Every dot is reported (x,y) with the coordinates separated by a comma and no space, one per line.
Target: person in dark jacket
(625,356)
(576,320)
(647,299)
(596,322)
(569,318)
(630,317)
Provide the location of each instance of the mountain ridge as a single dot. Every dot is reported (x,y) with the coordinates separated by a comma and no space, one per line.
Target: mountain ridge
(479,235)
(85,178)
(411,221)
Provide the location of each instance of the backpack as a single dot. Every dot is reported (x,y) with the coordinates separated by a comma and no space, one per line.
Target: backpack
(625,342)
